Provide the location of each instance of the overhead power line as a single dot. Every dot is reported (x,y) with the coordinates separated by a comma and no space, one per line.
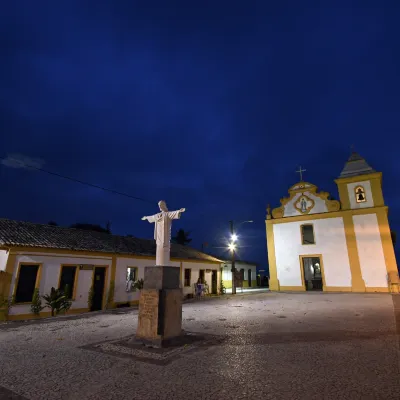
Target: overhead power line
(88,184)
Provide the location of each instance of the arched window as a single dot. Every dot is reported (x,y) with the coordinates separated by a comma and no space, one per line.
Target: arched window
(360,194)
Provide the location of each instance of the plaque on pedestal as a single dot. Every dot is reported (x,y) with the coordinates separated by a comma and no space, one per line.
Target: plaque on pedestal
(160,306)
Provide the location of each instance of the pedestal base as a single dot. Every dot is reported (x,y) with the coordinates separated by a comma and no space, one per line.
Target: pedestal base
(160,307)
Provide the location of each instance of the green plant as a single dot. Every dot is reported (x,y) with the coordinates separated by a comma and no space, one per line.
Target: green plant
(110,295)
(138,285)
(66,301)
(6,303)
(36,305)
(57,301)
(222,286)
(90,297)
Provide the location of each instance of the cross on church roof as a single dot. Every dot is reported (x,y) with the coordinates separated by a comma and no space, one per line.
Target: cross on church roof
(300,171)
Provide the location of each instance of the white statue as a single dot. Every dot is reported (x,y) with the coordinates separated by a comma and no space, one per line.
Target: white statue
(162,231)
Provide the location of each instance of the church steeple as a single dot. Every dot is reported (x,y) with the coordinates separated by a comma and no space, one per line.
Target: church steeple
(359,185)
(356,165)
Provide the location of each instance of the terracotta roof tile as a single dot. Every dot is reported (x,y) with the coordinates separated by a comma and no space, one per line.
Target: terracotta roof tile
(27,234)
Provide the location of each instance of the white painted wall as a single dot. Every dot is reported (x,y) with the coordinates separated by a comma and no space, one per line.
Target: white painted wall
(120,294)
(330,243)
(319,205)
(3,259)
(196,267)
(51,267)
(368,194)
(370,250)
(227,273)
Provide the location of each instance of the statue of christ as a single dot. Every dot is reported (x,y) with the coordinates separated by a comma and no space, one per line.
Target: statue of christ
(162,231)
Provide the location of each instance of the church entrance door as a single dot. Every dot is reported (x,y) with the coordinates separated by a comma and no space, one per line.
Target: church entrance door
(312,273)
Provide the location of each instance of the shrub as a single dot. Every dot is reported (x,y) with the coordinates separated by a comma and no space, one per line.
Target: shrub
(57,301)
(36,305)
(138,285)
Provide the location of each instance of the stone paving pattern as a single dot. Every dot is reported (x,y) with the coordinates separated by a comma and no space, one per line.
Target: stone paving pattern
(277,346)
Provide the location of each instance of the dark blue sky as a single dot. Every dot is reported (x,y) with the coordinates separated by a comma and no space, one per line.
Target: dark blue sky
(209,105)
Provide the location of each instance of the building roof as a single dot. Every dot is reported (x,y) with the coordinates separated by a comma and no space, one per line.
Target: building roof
(356,165)
(27,234)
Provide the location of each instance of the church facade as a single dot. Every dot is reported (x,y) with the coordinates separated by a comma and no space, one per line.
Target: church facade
(316,243)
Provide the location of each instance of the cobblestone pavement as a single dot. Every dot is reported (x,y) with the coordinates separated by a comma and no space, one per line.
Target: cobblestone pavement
(275,346)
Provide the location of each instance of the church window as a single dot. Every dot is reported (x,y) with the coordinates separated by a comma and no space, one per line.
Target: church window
(307,234)
(360,194)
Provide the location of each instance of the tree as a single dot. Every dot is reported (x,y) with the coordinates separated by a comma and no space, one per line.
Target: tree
(52,223)
(182,237)
(91,227)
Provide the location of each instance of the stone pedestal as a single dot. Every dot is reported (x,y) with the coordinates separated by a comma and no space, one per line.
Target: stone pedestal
(160,306)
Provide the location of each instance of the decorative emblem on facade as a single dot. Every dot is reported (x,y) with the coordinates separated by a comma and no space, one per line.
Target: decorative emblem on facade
(304,204)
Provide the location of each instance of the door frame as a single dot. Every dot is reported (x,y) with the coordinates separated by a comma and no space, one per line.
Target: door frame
(106,283)
(302,269)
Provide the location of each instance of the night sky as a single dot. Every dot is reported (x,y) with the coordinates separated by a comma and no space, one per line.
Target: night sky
(210,105)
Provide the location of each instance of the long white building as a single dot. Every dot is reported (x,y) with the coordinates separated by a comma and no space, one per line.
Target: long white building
(43,256)
(316,243)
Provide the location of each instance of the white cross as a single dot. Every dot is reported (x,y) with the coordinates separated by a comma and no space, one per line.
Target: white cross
(300,171)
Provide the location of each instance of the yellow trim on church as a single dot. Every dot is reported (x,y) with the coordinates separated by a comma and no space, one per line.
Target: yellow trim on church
(346,213)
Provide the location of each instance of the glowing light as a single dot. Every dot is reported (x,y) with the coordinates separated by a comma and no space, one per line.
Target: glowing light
(232,246)
(234,238)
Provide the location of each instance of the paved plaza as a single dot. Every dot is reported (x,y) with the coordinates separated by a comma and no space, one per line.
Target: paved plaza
(256,346)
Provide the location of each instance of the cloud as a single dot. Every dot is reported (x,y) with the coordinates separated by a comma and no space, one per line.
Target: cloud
(21,161)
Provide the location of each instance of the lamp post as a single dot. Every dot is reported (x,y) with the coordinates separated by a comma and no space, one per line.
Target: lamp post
(232,248)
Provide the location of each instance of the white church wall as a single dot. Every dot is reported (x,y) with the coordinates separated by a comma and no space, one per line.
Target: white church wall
(370,251)
(51,268)
(3,259)
(368,194)
(319,205)
(330,243)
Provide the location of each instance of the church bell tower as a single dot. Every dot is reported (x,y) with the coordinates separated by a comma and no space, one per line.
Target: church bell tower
(359,185)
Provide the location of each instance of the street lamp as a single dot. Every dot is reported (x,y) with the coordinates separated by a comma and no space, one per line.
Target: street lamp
(232,248)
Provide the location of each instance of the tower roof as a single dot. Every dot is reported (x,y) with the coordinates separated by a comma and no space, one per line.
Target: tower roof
(356,165)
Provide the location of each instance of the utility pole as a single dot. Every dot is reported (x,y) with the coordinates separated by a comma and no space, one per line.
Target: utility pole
(233,269)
